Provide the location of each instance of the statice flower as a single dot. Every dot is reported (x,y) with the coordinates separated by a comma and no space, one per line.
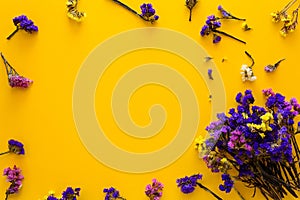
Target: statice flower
(70,194)
(15,178)
(15,147)
(190,4)
(246,70)
(72,11)
(155,190)
(290,22)
(271,68)
(50,196)
(212,25)
(23,23)
(258,143)
(112,194)
(225,14)
(188,184)
(228,183)
(148,13)
(209,72)
(14,79)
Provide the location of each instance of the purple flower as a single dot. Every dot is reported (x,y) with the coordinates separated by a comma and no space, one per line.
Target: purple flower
(148,12)
(16,147)
(15,178)
(216,39)
(23,23)
(14,79)
(112,193)
(19,81)
(154,190)
(188,184)
(227,185)
(271,68)
(209,72)
(227,15)
(70,193)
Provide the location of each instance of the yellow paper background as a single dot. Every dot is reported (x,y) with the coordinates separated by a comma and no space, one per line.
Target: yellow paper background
(41,117)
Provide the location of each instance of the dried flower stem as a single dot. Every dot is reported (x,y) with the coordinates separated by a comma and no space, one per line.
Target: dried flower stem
(250,58)
(228,35)
(288,6)
(128,8)
(208,190)
(8,67)
(13,33)
(238,192)
(6,152)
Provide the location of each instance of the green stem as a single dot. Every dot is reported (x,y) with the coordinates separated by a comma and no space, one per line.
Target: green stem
(208,190)
(13,33)
(228,35)
(6,152)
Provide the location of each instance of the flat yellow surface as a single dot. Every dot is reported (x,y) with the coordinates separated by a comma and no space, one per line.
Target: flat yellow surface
(42,116)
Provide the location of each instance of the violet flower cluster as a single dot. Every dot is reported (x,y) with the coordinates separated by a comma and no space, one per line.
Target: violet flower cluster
(69,194)
(213,24)
(148,13)
(23,23)
(112,194)
(188,184)
(256,145)
(155,190)
(15,147)
(14,79)
(15,178)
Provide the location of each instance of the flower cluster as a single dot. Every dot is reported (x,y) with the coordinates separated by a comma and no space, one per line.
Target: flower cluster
(15,147)
(246,70)
(148,13)
(258,142)
(14,79)
(155,190)
(289,21)
(15,178)
(190,4)
(68,194)
(72,11)
(271,68)
(228,183)
(188,184)
(112,194)
(23,23)
(213,24)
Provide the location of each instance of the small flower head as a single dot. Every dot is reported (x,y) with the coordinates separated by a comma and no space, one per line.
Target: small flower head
(227,15)
(227,185)
(190,4)
(216,38)
(19,81)
(112,193)
(155,190)
(70,194)
(15,177)
(246,27)
(148,12)
(247,73)
(209,72)
(50,196)
(271,68)
(16,147)
(72,11)
(188,184)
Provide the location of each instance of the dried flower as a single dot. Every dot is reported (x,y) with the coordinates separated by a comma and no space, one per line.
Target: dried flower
(50,196)
(14,79)
(72,11)
(227,15)
(188,184)
(23,23)
(190,4)
(148,12)
(212,25)
(155,190)
(112,194)
(246,71)
(258,142)
(15,178)
(245,27)
(70,194)
(15,146)
(271,68)
(207,58)
(279,15)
